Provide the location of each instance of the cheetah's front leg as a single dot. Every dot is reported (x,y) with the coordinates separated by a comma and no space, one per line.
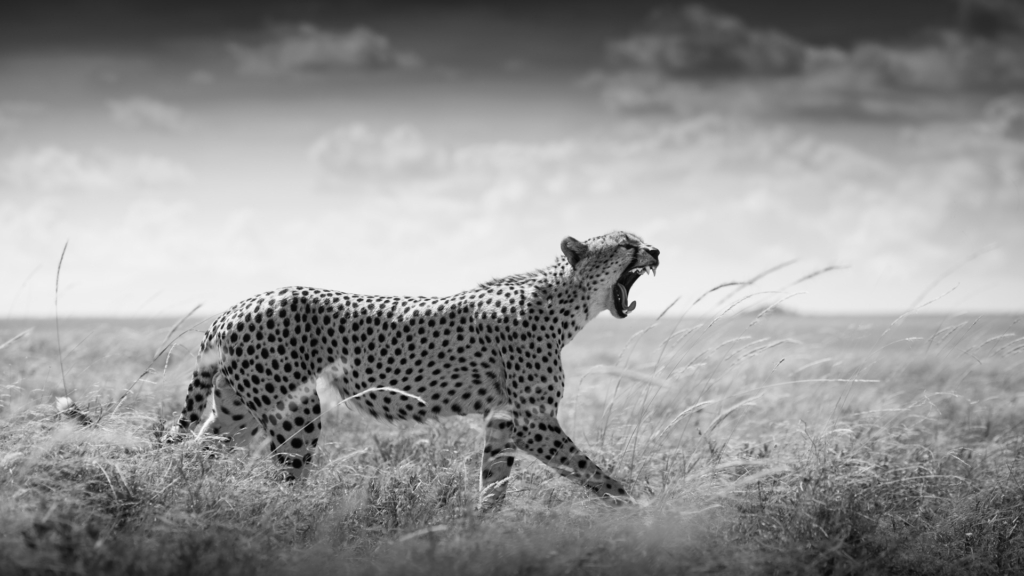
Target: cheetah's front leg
(541,435)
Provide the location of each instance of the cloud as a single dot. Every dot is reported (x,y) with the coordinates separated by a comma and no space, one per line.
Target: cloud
(306,48)
(723,197)
(975,172)
(942,61)
(140,112)
(691,60)
(52,168)
(356,157)
(1005,116)
(991,18)
(515,157)
(646,92)
(694,40)
(718,189)
(402,158)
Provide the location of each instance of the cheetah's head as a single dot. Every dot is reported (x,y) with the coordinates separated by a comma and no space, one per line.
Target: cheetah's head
(607,266)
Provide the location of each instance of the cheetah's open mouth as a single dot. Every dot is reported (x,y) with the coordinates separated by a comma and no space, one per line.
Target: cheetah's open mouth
(620,292)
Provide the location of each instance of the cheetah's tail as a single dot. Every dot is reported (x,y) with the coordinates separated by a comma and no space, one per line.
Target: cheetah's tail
(67,408)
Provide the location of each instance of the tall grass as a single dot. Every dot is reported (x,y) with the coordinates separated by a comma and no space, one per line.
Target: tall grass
(752,441)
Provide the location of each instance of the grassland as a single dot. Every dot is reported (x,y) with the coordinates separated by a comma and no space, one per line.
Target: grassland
(773,444)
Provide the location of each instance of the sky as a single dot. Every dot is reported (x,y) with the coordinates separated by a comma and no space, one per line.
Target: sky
(198,153)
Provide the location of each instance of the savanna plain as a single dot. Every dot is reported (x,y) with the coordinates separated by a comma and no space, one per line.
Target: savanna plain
(753,442)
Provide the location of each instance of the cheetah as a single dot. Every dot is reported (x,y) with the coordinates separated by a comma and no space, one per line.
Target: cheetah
(493,350)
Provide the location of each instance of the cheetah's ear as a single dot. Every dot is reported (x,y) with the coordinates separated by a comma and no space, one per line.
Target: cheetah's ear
(574,250)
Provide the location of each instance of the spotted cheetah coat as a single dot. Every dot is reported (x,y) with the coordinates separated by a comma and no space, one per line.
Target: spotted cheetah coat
(494,350)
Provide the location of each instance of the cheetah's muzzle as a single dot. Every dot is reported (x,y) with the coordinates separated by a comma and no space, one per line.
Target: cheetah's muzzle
(621,288)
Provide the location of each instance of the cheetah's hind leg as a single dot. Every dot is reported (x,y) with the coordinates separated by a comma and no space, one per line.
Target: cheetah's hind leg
(206,375)
(230,418)
(499,450)
(294,429)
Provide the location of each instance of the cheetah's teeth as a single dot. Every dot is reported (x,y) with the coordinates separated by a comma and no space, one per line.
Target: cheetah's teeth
(641,270)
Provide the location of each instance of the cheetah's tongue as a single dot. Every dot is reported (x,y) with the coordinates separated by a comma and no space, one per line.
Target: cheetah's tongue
(622,297)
